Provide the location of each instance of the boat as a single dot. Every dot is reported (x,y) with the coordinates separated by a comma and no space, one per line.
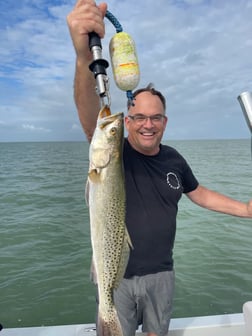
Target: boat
(217,325)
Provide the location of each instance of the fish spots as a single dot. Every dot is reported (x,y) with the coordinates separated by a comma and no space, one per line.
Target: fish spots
(107,215)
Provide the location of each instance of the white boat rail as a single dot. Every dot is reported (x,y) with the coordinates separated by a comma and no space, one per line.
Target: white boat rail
(217,325)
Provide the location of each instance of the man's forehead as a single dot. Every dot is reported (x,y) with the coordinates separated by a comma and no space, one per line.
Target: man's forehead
(147,101)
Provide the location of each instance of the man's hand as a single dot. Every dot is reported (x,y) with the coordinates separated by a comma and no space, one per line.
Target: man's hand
(250,208)
(86,17)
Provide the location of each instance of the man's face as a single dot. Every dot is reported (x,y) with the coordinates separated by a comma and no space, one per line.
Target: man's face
(145,134)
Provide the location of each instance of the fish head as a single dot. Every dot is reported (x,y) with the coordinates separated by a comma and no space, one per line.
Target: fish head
(107,140)
(110,128)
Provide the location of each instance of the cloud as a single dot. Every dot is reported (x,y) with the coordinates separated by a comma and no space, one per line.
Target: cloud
(76,127)
(32,128)
(196,52)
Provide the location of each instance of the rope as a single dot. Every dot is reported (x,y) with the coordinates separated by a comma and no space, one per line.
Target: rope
(114,21)
(130,97)
(119,29)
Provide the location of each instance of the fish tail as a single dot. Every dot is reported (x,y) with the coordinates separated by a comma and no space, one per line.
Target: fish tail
(109,326)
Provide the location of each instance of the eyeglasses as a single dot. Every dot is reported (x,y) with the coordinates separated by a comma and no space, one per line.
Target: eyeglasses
(141,118)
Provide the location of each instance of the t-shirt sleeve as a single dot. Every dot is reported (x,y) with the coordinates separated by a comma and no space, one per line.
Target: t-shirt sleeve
(190,182)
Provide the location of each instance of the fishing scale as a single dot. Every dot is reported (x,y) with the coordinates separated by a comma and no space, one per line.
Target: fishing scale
(124,62)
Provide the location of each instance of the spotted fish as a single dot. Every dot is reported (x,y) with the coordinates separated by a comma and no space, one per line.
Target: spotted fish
(106,199)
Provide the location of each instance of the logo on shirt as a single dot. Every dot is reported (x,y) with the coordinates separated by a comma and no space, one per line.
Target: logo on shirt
(173,181)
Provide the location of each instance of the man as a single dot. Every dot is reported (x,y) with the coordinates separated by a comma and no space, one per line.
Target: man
(155,175)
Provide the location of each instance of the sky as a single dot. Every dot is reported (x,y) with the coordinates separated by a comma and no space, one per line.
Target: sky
(198,53)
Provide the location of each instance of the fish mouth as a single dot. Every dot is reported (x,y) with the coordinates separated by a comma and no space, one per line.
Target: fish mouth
(107,117)
(104,112)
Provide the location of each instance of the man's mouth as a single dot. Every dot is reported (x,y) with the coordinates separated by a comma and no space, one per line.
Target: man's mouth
(147,134)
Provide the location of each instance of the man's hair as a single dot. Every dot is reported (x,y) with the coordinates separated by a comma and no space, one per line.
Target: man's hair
(149,88)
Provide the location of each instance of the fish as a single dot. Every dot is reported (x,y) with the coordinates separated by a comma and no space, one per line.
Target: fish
(105,195)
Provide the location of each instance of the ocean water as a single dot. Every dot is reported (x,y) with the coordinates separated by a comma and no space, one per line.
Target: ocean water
(45,246)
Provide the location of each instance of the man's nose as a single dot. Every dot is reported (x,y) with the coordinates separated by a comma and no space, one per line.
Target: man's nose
(148,122)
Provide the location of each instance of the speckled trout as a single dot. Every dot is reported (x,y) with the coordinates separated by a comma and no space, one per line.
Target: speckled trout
(106,199)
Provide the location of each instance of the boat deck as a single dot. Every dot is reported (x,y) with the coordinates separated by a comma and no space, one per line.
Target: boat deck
(220,325)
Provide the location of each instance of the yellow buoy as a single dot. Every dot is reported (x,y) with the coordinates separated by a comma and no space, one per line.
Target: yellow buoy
(124,61)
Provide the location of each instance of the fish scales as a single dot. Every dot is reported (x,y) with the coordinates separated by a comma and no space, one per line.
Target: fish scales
(106,198)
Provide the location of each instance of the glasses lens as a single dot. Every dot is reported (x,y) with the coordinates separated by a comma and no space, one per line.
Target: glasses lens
(141,118)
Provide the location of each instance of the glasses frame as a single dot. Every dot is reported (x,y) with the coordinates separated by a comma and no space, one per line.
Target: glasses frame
(141,118)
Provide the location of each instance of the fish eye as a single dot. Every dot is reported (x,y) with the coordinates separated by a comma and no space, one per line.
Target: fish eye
(113,131)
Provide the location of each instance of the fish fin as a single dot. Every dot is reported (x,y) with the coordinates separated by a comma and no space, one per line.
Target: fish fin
(128,239)
(110,326)
(94,175)
(123,259)
(100,158)
(87,193)
(93,274)
(122,265)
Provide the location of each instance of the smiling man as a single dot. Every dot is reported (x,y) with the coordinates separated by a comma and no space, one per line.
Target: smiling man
(146,121)
(156,176)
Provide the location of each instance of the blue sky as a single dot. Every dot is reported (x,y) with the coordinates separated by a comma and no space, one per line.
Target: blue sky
(198,53)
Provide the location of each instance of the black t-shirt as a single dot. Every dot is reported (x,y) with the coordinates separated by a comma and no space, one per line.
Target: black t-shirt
(154,185)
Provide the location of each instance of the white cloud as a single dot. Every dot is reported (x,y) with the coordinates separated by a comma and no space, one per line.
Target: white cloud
(33,128)
(198,53)
(76,127)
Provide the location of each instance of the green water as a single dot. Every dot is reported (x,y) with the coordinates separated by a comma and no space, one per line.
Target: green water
(45,244)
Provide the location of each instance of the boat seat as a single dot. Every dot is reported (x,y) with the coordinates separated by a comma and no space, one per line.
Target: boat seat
(247,313)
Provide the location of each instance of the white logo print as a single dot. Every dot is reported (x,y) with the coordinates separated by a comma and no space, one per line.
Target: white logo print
(173,181)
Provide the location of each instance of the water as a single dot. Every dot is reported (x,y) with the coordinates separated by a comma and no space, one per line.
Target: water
(45,240)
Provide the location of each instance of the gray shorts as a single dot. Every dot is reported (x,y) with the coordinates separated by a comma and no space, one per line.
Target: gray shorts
(147,301)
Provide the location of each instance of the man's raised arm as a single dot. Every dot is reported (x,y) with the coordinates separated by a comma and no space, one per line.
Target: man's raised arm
(86,17)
